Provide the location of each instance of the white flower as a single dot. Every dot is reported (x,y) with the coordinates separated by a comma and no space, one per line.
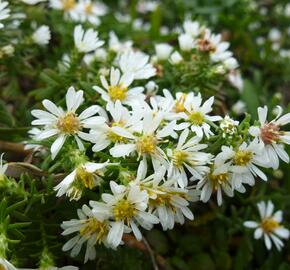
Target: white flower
(4,12)
(3,167)
(86,41)
(65,123)
(127,207)
(175,58)
(228,126)
(271,136)
(236,80)
(186,42)
(5,265)
(84,176)
(8,50)
(145,143)
(103,135)
(231,63)
(269,227)
(219,180)
(136,63)
(90,228)
(239,107)
(42,35)
(117,88)
(196,115)
(90,11)
(166,201)
(147,6)
(33,2)
(274,35)
(163,51)
(68,6)
(192,28)
(243,162)
(117,46)
(187,155)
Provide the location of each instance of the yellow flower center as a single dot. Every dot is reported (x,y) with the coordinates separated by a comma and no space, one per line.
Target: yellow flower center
(146,144)
(93,226)
(85,177)
(68,4)
(69,124)
(179,105)
(242,158)
(218,179)
(196,118)
(124,210)
(269,225)
(179,157)
(112,136)
(117,92)
(89,8)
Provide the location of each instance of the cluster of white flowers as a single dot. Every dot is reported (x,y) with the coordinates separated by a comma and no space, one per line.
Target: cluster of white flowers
(172,133)
(81,10)
(4,12)
(200,38)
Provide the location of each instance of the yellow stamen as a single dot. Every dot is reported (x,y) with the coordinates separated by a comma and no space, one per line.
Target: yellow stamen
(124,210)
(89,8)
(146,144)
(242,158)
(117,92)
(218,179)
(179,157)
(269,225)
(68,4)
(196,118)
(115,137)
(69,124)
(179,105)
(85,177)
(93,226)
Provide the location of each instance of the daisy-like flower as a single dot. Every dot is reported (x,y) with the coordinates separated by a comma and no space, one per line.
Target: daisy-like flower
(218,180)
(166,201)
(118,88)
(146,143)
(163,51)
(5,265)
(196,115)
(192,28)
(91,11)
(86,41)
(102,136)
(89,228)
(63,124)
(136,63)
(269,227)
(84,176)
(3,167)
(127,207)
(243,162)
(4,12)
(42,35)
(186,42)
(271,136)
(68,6)
(187,155)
